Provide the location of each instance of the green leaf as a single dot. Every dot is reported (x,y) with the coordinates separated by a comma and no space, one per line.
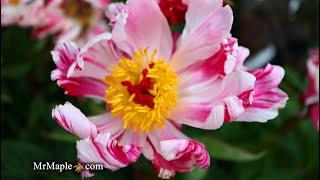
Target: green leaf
(37,109)
(294,79)
(197,173)
(62,136)
(17,158)
(17,71)
(40,45)
(221,150)
(5,98)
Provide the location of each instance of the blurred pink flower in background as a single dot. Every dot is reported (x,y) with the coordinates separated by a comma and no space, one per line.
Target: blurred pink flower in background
(153,83)
(311,94)
(20,12)
(72,20)
(68,20)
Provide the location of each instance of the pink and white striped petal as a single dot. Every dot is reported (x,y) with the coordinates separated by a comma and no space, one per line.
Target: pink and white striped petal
(135,30)
(228,59)
(171,151)
(97,56)
(169,131)
(266,98)
(71,73)
(103,149)
(207,25)
(224,102)
(107,123)
(73,120)
(179,155)
(195,17)
(135,138)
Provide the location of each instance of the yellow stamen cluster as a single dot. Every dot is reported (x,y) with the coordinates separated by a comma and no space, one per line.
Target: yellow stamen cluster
(142,118)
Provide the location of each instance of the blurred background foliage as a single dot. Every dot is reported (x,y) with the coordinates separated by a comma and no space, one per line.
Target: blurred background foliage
(284,148)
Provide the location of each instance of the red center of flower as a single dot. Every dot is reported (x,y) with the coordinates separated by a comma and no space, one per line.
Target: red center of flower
(141,90)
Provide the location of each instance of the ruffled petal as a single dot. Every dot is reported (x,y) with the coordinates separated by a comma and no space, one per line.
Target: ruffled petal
(73,120)
(223,100)
(180,155)
(70,74)
(228,59)
(258,115)
(96,57)
(171,151)
(103,149)
(175,149)
(267,98)
(266,91)
(142,26)
(208,24)
(269,76)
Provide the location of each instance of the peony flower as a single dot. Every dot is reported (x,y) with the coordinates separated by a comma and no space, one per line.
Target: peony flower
(72,20)
(69,20)
(20,12)
(152,84)
(311,94)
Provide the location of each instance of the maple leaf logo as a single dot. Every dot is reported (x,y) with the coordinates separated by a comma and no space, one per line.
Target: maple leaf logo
(78,167)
